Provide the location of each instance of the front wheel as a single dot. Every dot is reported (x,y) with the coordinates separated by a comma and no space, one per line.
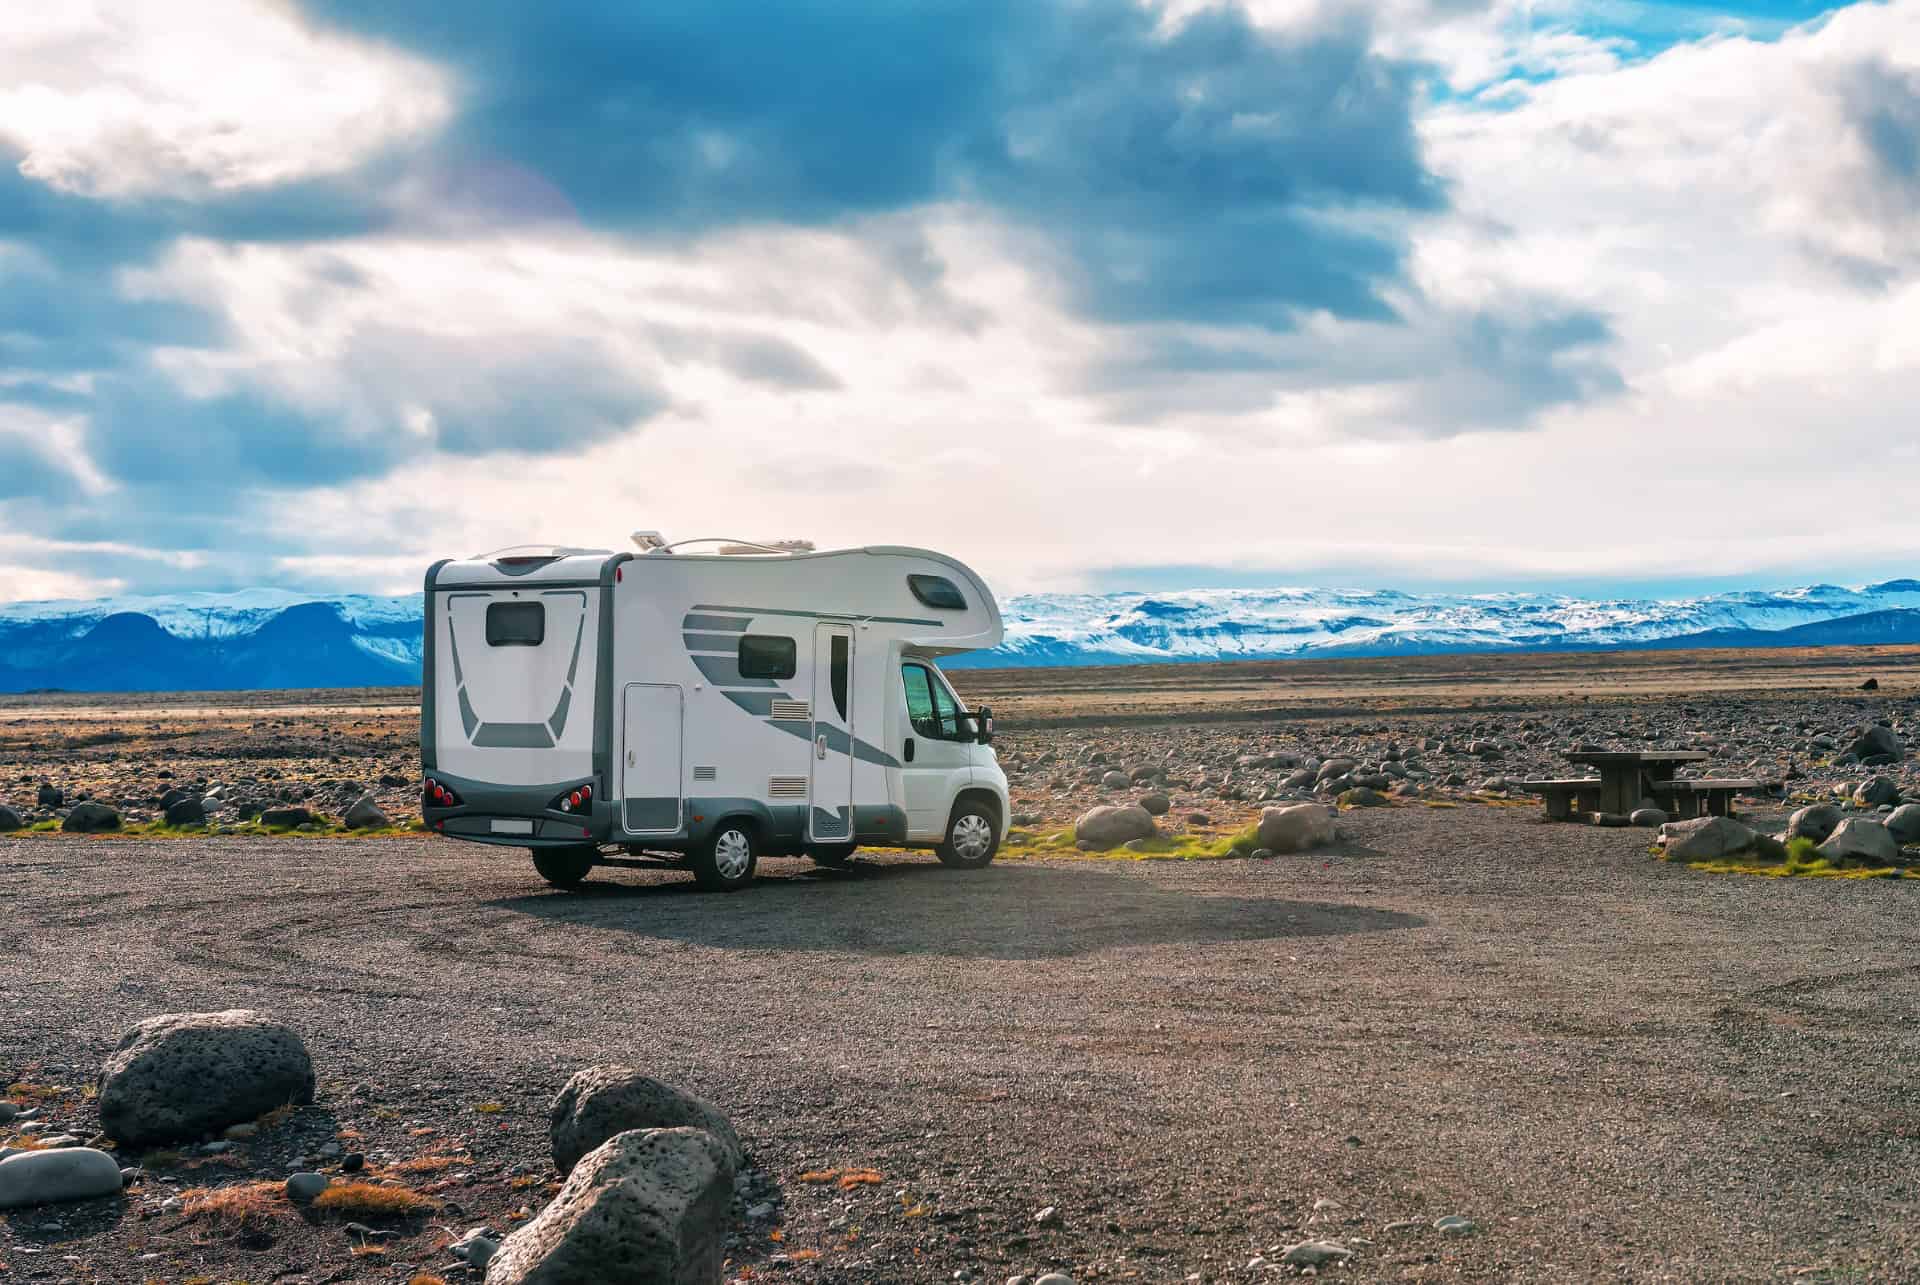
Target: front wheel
(973,836)
(725,863)
(563,867)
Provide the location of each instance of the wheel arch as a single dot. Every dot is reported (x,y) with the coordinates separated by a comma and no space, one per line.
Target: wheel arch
(983,795)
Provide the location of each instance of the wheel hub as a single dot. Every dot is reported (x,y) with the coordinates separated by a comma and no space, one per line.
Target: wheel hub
(972,836)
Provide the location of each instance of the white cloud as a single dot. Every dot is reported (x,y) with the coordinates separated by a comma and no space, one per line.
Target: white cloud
(127,97)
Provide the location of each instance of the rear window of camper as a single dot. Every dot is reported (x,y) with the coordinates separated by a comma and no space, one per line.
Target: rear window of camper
(937,591)
(766,656)
(516,624)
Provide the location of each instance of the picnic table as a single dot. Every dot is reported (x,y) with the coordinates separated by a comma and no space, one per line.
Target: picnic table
(1629,776)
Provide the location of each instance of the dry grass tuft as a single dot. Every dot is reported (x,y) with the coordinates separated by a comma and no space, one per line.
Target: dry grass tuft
(427,1164)
(243,1206)
(846,1178)
(424,1279)
(275,1118)
(370,1200)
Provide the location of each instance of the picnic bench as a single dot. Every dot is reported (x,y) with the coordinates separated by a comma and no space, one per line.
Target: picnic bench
(1629,776)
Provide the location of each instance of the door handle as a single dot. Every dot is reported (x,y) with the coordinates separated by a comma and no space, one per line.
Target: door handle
(908,755)
(630,759)
(820,747)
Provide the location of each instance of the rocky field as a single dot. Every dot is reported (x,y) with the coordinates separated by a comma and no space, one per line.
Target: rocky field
(1457,1043)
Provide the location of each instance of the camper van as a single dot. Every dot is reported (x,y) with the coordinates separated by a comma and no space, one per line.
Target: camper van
(706,706)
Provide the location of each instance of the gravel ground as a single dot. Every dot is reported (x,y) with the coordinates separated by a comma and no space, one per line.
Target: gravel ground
(1616,1068)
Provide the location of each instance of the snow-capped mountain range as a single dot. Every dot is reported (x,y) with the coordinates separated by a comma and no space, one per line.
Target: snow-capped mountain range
(275,638)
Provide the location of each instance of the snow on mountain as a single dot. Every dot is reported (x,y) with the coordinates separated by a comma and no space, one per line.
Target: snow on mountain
(283,638)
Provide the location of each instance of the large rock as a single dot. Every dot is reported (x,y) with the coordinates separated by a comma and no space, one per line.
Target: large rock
(1335,768)
(1875,741)
(1875,792)
(1156,804)
(185,1075)
(9,819)
(650,1207)
(603,1101)
(1294,829)
(46,1177)
(366,815)
(1109,827)
(50,796)
(1815,822)
(285,818)
(1705,838)
(91,818)
(1859,841)
(1904,823)
(187,811)
(1364,796)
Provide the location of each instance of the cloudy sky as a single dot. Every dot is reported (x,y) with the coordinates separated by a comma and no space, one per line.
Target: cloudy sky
(1092,293)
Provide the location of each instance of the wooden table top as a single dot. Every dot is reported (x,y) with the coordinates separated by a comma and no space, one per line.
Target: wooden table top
(1631,758)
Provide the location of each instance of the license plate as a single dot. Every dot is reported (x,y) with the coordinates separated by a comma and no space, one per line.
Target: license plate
(513,827)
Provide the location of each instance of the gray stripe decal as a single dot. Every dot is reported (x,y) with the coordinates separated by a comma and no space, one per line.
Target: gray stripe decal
(814,615)
(468,719)
(513,736)
(836,740)
(760,703)
(694,621)
(725,670)
(559,720)
(712,642)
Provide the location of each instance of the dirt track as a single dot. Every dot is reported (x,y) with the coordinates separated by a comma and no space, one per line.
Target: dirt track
(1618,1069)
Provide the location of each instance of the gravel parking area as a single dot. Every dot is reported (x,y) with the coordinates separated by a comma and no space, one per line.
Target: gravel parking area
(1615,1068)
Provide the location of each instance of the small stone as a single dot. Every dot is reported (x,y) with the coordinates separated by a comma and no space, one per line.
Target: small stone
(1314,1253)
(366,815)
(353,1162)
(236,1132)
(476,1248)
(7,1111)
(303,1188)
(1047,1217)
(1404,1224)
(59,1140)
(1454,1225)
(1055,1278)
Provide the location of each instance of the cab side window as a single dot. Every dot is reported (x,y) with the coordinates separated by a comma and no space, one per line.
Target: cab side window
(930,706)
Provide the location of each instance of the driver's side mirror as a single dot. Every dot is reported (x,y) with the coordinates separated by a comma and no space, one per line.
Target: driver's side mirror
(985,735)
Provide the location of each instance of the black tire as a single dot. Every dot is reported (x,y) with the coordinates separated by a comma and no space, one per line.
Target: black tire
(833,854)
(564,867)
(719,864)
(962,848)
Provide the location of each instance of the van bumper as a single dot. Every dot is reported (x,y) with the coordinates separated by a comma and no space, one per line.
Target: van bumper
(521,813)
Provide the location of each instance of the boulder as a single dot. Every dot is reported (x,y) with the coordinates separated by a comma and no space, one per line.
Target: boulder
(285,818)
(1705,838)
(187,811)
(1904,823)
(1109,827)
(1859,841)
(1364,796)
(650,1205)
(1115,780)
(603,1101)
(50,797)
(1875,792)
(1815,822)
(186,1075)
(1335,768)
(1156,804)
(365,814)
(305,1188)
(1294,829)
(91,818)
(47,1177)
(1874,741)
(1299,780)
(9,819)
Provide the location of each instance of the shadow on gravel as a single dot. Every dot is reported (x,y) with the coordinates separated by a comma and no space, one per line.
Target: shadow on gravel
(1010,912)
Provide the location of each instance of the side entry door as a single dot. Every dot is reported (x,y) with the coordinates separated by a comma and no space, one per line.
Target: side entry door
(935,755)
(830,815)
(650,764)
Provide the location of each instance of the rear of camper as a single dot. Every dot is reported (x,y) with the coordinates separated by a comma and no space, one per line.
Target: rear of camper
(706,709)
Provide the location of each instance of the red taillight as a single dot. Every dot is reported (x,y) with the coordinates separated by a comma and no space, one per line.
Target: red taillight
(586,791)
(619,574)
(574,798)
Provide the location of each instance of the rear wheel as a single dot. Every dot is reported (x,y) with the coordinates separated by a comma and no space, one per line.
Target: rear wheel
(563,867)
(725,863)
(832,854)
(973,836)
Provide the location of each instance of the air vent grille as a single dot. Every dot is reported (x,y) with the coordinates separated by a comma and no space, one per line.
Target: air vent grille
(792,711)
(787,787)
(704,774)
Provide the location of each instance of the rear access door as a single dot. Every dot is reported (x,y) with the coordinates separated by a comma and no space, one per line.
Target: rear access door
(514,678)
(830,814)
(653,725)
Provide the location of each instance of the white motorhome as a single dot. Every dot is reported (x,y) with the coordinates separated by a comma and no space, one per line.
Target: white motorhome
(605,708)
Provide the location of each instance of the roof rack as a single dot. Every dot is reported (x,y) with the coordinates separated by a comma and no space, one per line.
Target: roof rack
(729,545)
(523,552)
